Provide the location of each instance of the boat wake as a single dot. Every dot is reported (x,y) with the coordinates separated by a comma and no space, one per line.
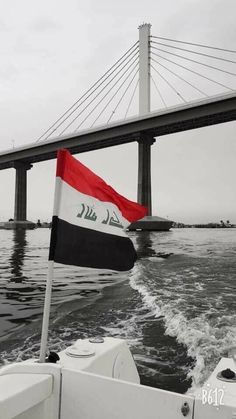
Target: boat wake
(207,335)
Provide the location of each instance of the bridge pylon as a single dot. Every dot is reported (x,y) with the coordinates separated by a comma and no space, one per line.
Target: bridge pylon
(145,142)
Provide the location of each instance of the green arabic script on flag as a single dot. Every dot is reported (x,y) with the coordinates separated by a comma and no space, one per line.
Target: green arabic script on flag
(88,213)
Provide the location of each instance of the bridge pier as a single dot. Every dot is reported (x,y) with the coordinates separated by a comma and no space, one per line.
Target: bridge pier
(149,222)
(20,210)
(144,172)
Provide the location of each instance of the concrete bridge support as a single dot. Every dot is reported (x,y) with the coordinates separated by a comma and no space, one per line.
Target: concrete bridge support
(145,141)
(144,172)
(20,211)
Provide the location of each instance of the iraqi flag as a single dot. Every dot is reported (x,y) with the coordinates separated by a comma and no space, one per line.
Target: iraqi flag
(89,219)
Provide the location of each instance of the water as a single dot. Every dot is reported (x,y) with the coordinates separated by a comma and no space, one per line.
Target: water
(177,313)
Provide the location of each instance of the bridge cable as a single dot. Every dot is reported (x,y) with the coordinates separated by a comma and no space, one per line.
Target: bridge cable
(181,78)
(133,51)
(195,52)
(74,119)
(195,61)
(122,97)
(71,113)
(197,45)
(169,84)
(192,71)
(131,99)
(96,96)
(127,54)
(104,108)
(116,92)
(158,91)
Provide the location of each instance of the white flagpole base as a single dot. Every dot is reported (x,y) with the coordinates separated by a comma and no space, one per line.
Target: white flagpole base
(46,312)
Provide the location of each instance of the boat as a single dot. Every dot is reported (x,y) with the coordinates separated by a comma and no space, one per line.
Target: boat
(97,378)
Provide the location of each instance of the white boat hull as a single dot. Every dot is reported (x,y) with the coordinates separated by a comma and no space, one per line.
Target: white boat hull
(100,381)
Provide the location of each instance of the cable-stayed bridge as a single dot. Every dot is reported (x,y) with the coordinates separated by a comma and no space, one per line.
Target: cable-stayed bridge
(161,80)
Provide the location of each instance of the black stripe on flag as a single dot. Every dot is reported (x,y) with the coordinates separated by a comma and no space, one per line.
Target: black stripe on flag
(74,245)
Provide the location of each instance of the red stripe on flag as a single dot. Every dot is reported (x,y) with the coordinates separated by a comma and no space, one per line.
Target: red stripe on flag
(84,180)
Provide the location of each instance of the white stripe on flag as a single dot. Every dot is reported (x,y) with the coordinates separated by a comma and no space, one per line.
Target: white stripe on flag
(86,211)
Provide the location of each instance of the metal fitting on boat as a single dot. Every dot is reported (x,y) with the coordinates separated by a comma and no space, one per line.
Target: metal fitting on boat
(53,357)
(80,351)
(185,409)
(227,375)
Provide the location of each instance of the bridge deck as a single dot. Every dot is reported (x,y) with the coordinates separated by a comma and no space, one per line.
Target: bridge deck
(198,114)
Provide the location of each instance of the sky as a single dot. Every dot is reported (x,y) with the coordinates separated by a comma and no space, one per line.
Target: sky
(52,51)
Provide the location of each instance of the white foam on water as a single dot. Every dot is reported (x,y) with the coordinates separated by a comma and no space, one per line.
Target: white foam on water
(206,341)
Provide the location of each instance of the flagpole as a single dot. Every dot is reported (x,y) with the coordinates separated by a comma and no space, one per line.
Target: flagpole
(47,301)
(46,313)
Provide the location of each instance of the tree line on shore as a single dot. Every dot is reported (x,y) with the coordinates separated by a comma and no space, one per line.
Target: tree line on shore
(221,224)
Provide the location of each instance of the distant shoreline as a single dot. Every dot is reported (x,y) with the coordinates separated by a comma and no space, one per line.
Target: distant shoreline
(9,225)
(4,225)
(208,225)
